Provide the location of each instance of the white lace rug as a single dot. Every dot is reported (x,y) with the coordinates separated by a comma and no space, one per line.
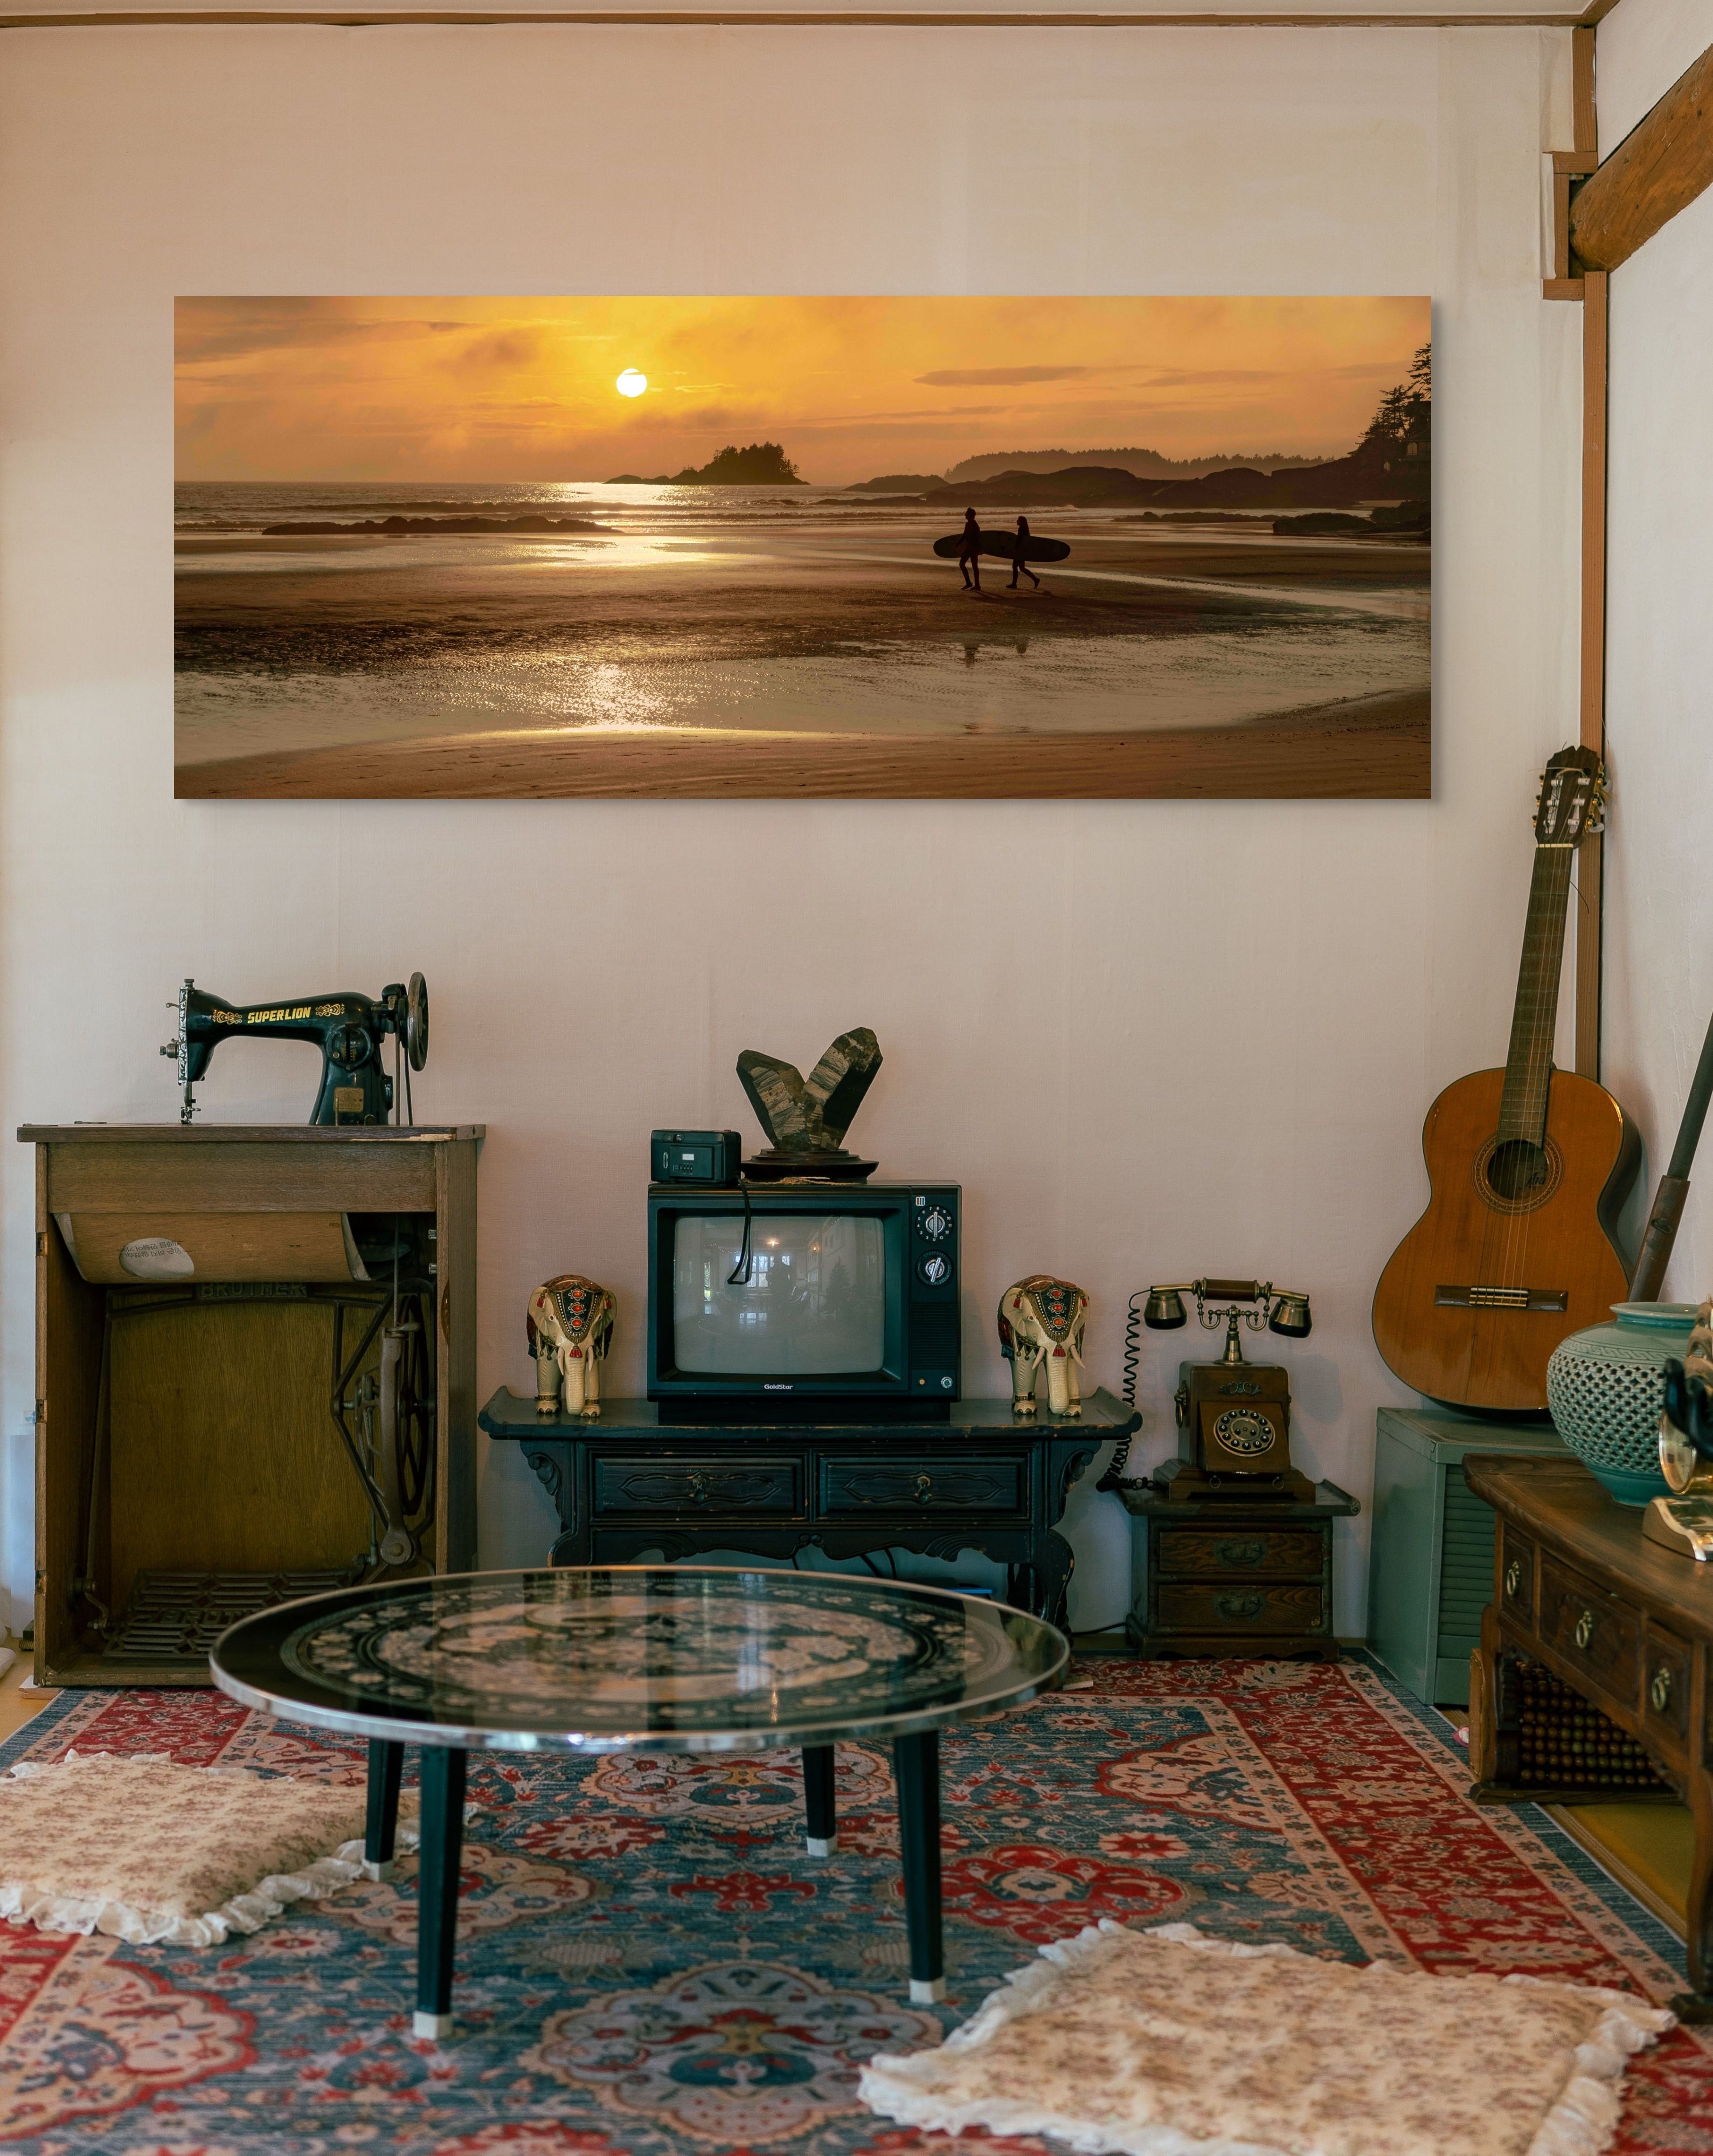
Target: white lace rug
(1165,2043)
(158,1854)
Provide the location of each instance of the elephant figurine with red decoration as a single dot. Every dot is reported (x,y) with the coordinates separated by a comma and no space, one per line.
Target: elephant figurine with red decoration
(1041,1320)
(570,1330)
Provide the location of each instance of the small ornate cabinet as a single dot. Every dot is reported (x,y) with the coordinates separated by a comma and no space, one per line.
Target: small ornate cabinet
(1236,1575)
(984,1480)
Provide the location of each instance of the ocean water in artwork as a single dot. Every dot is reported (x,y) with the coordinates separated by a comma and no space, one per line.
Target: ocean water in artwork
(732,606)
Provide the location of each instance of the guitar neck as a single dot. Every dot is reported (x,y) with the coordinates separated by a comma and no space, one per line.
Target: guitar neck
(1528,1066)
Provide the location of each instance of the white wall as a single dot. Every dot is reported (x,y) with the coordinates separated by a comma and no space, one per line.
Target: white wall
(1150,1039)
(1658,964)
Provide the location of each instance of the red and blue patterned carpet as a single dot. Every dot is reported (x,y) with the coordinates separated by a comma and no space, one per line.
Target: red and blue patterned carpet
(649,1965)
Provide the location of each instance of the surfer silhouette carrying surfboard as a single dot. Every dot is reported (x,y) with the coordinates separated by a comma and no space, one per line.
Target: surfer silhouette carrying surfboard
(1017,560)
(969,555)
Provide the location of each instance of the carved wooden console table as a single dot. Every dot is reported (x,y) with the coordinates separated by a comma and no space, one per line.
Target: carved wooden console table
(984,1480)
(1579,1590)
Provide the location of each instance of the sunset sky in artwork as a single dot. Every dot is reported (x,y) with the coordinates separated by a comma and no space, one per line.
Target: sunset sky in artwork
(469,389)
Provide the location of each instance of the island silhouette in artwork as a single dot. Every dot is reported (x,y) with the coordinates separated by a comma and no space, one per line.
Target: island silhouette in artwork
(763,464)
(770,594)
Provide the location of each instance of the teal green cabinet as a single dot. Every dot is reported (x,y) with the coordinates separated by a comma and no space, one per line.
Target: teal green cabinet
(1430,1562)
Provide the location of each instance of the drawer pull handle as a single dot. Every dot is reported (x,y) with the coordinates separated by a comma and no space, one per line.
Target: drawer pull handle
(1660,1691)
(1240,1609)
(923,1488)
(698,1490)
(1248,1553)
(1584,1628)
(1513,1579)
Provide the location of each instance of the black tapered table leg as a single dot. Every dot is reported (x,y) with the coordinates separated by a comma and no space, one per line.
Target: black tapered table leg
(820,1813)
(916,1767)
(386,1769)
(437,1886)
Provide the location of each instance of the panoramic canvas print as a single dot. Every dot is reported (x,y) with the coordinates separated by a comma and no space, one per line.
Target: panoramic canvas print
(739,546)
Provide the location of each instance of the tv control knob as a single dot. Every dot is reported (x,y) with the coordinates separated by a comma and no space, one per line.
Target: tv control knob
(935,1224)
(936,1269)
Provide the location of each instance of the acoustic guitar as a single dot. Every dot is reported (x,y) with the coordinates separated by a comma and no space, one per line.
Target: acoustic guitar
(1528,1165)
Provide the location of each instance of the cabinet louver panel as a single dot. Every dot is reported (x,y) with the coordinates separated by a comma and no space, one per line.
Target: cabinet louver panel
(1466,1564)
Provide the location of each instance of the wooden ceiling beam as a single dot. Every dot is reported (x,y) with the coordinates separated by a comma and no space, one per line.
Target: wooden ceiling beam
(1378,18)
(1660,167)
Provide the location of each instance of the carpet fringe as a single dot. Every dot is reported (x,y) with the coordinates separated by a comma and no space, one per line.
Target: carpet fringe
(1581,2122)
(24,1903)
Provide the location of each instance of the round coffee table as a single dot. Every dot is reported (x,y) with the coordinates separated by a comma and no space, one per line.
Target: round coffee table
(638,1658)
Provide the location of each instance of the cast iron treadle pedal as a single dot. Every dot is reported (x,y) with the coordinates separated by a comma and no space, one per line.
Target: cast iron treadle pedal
(173,1615)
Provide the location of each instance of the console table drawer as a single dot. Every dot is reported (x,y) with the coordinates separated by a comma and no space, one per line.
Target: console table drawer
(1278,1552)
(1296,1606)
(1592,1629)
(634,1486)
(1665,1690)
(1516,1573)
(997,1488)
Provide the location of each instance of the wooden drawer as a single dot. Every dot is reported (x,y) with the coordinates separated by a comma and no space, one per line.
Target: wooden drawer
(997,1488)
(1295,1606)
(1665,1690)
(1598,1635)
(1249,1553)
(1516,1574)
(630,1485)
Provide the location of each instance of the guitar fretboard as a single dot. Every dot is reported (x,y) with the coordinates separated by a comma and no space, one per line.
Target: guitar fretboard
(1528,1066)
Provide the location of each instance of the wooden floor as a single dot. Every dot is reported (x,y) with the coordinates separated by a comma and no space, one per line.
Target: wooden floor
(15,1709)
(1648,1848)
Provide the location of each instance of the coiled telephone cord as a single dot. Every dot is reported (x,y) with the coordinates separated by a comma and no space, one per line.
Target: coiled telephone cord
(1132,1364)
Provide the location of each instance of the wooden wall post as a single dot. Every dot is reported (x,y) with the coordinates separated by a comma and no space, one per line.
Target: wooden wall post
(1593,660)
(1592,697)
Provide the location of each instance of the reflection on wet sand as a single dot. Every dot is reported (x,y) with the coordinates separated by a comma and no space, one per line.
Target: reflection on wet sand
(669,618)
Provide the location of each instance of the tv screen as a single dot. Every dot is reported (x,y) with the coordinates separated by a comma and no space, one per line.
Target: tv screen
(814,1304)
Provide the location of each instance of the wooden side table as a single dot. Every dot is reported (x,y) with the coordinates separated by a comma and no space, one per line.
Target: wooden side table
(984,1480)
(1579,1589)
(1236,1575)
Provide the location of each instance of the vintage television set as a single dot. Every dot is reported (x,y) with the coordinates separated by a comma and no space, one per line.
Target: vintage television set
(804,1301)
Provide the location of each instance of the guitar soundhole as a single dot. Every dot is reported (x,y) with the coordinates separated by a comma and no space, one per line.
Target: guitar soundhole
(1516,1176)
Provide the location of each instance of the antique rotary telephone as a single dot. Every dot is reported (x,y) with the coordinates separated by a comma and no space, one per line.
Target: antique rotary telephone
(1234,1417)
(349,1030)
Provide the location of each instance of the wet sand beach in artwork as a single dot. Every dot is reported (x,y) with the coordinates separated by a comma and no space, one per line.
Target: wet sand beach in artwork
(732,641)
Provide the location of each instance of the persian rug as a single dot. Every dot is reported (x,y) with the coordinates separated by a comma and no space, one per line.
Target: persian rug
(1166,2042)
(159,1854)
(650,1964)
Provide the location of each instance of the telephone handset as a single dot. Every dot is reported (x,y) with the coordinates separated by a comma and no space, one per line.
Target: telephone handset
(1234,1417)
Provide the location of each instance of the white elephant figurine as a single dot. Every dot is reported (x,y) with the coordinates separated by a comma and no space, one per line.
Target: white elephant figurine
(569,1331)
(1041,1320)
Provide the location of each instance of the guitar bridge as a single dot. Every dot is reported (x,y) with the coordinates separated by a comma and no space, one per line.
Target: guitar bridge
(1502,1298)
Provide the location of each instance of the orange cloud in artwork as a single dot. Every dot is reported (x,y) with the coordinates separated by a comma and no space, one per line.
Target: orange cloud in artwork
(467,389)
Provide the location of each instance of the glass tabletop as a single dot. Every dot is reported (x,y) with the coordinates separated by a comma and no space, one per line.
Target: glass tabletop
(613,1658)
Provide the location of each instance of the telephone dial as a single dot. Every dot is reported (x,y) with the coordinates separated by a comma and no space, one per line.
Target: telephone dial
(1234,1417)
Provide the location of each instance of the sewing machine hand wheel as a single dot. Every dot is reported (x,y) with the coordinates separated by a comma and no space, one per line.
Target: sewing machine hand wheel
(416,1022)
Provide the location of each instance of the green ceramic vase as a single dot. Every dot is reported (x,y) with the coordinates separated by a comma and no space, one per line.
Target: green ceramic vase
(1606,1386)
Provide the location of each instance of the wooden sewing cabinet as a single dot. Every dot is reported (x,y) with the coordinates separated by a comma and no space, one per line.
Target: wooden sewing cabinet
(188,1467)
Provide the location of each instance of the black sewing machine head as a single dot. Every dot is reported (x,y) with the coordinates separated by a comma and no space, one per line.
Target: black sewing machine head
(348,1030)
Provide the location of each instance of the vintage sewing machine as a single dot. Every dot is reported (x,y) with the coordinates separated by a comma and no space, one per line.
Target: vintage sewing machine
(349,1029)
